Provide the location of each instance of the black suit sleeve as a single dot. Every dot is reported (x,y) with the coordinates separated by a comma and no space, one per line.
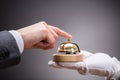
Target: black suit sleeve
(9,52)
(118,78)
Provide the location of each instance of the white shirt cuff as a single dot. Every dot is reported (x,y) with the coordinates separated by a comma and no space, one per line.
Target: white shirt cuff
(18,39)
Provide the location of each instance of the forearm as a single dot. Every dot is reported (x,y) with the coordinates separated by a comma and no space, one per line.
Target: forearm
(9,52)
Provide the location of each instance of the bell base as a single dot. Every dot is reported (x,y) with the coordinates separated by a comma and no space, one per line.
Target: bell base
(67,57)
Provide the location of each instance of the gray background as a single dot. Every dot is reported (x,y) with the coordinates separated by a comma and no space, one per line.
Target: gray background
(94,24)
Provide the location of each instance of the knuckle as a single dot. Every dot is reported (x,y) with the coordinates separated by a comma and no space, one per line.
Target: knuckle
(42,22)
(44,30)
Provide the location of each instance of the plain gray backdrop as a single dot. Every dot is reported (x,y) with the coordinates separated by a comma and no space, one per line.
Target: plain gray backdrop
(94,25)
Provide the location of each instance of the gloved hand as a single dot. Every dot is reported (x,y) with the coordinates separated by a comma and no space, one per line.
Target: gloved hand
(99,64)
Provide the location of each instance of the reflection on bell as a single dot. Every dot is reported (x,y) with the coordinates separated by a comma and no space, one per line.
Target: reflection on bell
(68,52)
(68,48)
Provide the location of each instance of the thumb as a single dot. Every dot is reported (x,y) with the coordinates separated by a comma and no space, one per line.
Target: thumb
(53,64)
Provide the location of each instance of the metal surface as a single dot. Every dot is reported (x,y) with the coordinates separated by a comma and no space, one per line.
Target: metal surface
(68,48)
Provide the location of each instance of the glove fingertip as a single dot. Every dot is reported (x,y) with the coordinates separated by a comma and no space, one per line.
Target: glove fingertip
(53,64)
(50,63)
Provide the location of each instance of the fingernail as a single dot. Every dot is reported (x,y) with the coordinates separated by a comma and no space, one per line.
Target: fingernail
(70,36)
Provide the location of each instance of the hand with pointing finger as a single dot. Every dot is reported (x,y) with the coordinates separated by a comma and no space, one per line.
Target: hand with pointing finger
(41,35)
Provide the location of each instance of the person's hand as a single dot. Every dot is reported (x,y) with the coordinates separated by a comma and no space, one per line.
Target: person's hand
(99,64)
(41,35)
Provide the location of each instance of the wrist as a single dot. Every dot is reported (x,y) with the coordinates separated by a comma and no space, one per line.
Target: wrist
(23,33)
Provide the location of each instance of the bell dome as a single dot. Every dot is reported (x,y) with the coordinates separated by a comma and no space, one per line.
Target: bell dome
(68,48)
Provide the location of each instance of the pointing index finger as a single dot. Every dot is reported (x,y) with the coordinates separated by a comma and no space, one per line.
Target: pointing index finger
(62,33)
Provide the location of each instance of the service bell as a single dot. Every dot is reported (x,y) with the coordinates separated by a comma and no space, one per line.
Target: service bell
(68,48)
(68,52)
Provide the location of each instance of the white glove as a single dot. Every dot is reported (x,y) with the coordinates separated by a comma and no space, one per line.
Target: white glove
(99,64)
